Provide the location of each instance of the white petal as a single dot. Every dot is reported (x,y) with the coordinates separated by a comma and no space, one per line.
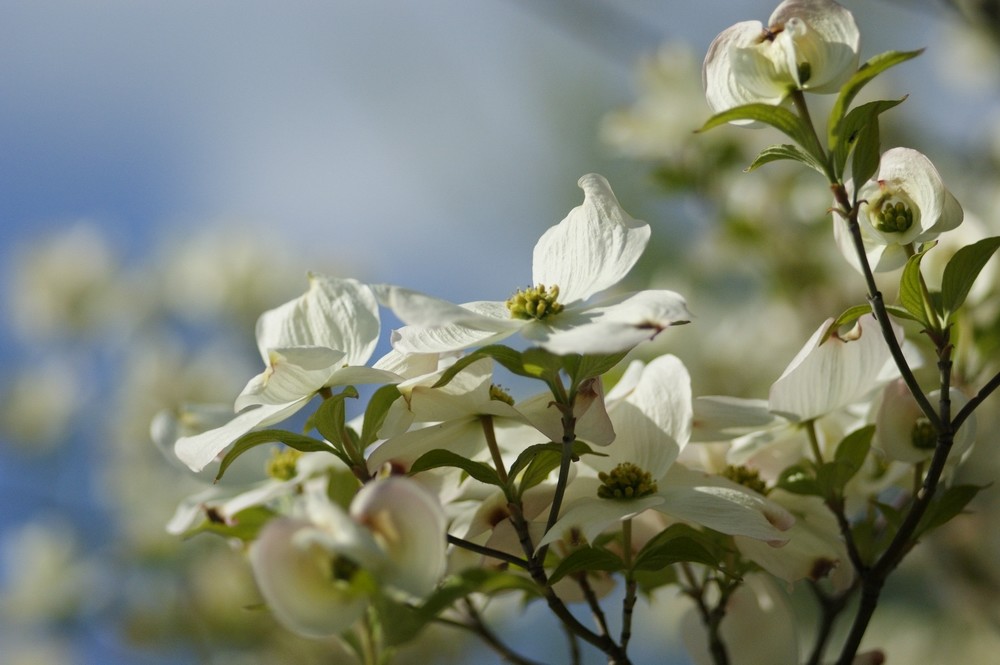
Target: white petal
(908,171)
(719,504)
(199,450)
(720,418)
(593,248)
(463,437)
(825,377)
(295,582)
(291,374)
(591,516)
(409,525)
(653,423)
(339,314)
(723,89)
(815,548)
(831,44)
(613,325)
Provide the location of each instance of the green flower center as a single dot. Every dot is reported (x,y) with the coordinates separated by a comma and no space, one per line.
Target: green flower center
(746,477)
(923,435)
(625,481)
(343,569)
(500,395)
(281,466)
(535,302)
(893,217)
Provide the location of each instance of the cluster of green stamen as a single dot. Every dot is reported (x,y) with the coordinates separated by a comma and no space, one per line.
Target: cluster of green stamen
(281,466)
(534,302)
(746,477)
(625,481)
(923,434)
(893,217)
(500,395)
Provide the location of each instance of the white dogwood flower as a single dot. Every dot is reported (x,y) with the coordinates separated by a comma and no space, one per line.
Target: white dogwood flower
(320,339)
(806,45)
(905,203)
(590,251)
(651,411)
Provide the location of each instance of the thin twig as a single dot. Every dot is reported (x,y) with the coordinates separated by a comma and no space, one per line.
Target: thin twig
(488,551)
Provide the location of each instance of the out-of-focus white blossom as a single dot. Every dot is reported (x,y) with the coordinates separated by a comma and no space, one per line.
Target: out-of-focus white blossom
(904,434)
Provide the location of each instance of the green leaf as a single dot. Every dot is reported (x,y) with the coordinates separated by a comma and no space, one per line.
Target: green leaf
(785,151)
(847,461)
(244,525)
(782,119)
(329,419)
(859,80)
(946,505)
(963,269)
(580,368)
(911,292)
(587,559)
(798,479)
(539,460)
(445,458)
(474,580)
(850,315)
(858,131)
(375,413)
(901,313)
(299,442)
(677,543)
(532,363)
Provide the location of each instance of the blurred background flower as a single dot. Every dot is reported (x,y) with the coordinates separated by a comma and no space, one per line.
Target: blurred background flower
(168,171)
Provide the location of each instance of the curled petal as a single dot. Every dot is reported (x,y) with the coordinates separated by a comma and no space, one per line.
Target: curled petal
(593,248)
(409,525)
(295,581)
(339,314)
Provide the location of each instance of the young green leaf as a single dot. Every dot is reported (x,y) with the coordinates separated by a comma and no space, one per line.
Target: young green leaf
(848,459)
(677,543)
(850,315)
(375,413)
(911,290)
(797,479)
(300,442)
(861,78)
(946,505)
(858,130)
(785,151)
(785,121)
(445,458)
(244,525)
(963,269)
(329,419)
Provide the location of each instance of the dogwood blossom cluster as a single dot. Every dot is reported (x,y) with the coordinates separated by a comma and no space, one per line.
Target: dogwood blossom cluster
(442,489)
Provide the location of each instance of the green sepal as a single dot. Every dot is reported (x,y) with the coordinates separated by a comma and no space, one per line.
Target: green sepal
(300,442)
(946,505)
(677,543)
(440,457)
(782,119)
(962,270)
(866,72)
(587,559)
(244,525)
(375,413)
(911,291)
(330,418)
(781,151)
(850,315)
